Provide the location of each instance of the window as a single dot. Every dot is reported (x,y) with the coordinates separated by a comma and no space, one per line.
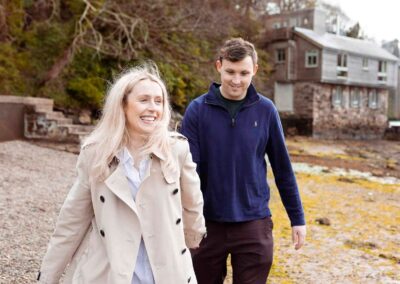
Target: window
(365,63)
(342,60)
(337,96)
(382,67)
(280,55)
(373,99)
(382,71)
(312,58)
(341,69)
(355,98)
(277,25)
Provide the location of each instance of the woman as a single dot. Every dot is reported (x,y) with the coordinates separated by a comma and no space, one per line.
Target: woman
(136,206)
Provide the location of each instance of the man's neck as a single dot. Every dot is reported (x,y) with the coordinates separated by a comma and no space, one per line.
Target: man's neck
(239,98)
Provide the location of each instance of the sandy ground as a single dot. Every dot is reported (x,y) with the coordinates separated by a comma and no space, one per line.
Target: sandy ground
(361,244)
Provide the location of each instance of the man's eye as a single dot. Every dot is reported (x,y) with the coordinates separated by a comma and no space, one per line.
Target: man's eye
(230,72)
(245,73)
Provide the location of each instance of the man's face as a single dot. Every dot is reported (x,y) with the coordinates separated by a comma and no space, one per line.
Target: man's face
(236,77)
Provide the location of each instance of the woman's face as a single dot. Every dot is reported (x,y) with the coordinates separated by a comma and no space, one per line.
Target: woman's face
(144,107)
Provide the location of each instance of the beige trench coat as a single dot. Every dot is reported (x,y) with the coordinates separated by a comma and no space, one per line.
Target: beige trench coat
(99,228)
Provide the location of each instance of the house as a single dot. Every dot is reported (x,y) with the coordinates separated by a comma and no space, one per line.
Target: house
(328,85)
(394,95)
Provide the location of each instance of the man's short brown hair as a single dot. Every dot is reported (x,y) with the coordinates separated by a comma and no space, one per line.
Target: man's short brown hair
(236,49)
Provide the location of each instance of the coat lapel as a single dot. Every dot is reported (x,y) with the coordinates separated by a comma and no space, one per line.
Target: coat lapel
(169,176)
(118,184)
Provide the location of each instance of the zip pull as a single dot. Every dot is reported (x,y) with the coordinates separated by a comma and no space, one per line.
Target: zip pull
(233,122)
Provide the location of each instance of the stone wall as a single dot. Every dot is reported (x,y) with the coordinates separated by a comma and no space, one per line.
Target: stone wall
(40,122)
(346,122)
(303,98)
(11,121)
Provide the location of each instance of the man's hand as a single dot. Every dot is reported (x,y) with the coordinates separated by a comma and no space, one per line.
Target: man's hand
(299,236)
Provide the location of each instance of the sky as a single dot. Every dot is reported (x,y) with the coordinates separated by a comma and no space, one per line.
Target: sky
(379,19)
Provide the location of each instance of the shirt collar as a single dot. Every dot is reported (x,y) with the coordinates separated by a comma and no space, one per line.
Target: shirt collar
(124,156)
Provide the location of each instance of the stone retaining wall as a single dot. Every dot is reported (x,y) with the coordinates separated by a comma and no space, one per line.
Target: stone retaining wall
(313,101)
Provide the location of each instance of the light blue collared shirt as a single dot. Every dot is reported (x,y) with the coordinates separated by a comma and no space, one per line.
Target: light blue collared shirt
(143,273)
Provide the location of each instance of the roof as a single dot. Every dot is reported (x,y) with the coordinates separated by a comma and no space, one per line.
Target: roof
(343,43)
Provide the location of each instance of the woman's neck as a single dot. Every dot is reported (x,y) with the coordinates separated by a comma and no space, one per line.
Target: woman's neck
(136,142)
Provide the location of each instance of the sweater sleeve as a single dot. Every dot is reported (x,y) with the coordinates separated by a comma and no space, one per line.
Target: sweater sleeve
(191,131)
(281,166)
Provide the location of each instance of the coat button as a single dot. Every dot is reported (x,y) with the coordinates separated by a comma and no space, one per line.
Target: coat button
(102,198)
(175,191)
(102,233)
(183,251)
(190,278)
(178,221)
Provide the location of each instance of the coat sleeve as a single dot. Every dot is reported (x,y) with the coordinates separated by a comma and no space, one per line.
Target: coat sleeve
(192,201)
(72,224)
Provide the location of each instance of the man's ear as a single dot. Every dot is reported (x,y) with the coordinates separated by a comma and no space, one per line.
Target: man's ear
(255,69)
(218,65)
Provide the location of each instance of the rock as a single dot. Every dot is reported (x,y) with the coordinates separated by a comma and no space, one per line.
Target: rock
(85,117)
(323,221)
(361,245)
(378,173)
(370,197)
(345,179)
(391,257)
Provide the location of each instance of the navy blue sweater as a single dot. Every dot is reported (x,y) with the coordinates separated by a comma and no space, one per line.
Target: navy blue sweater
(229,153)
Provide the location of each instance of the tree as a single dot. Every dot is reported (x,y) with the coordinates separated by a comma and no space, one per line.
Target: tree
(69,49)
(354,31)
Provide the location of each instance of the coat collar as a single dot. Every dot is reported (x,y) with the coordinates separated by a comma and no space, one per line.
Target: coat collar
(118,184)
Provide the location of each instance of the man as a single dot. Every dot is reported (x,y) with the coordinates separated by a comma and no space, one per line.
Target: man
(230,129)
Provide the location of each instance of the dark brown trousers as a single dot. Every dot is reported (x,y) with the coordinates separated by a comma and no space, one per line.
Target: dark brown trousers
(250,245)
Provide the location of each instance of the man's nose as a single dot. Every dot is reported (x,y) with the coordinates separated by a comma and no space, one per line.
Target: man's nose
(236,79)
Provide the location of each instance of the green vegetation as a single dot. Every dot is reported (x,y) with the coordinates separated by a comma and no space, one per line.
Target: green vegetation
(69,50)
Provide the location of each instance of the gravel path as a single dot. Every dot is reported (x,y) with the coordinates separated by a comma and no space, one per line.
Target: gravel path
(33,184)
(361,245)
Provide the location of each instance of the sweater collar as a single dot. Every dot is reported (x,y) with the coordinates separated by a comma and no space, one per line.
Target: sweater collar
(251,95)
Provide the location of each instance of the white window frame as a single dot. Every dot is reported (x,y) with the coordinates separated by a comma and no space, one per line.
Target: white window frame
(280,55)
(337,96)
(310,55)
(382,71)
(365,63)
(277,25)
(341,68)
(373,99)
(355,98)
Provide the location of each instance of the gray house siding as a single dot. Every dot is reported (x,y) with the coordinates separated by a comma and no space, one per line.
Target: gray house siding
(356,75)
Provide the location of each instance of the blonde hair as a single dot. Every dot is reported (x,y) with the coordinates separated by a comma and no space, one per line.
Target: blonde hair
(111,134)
